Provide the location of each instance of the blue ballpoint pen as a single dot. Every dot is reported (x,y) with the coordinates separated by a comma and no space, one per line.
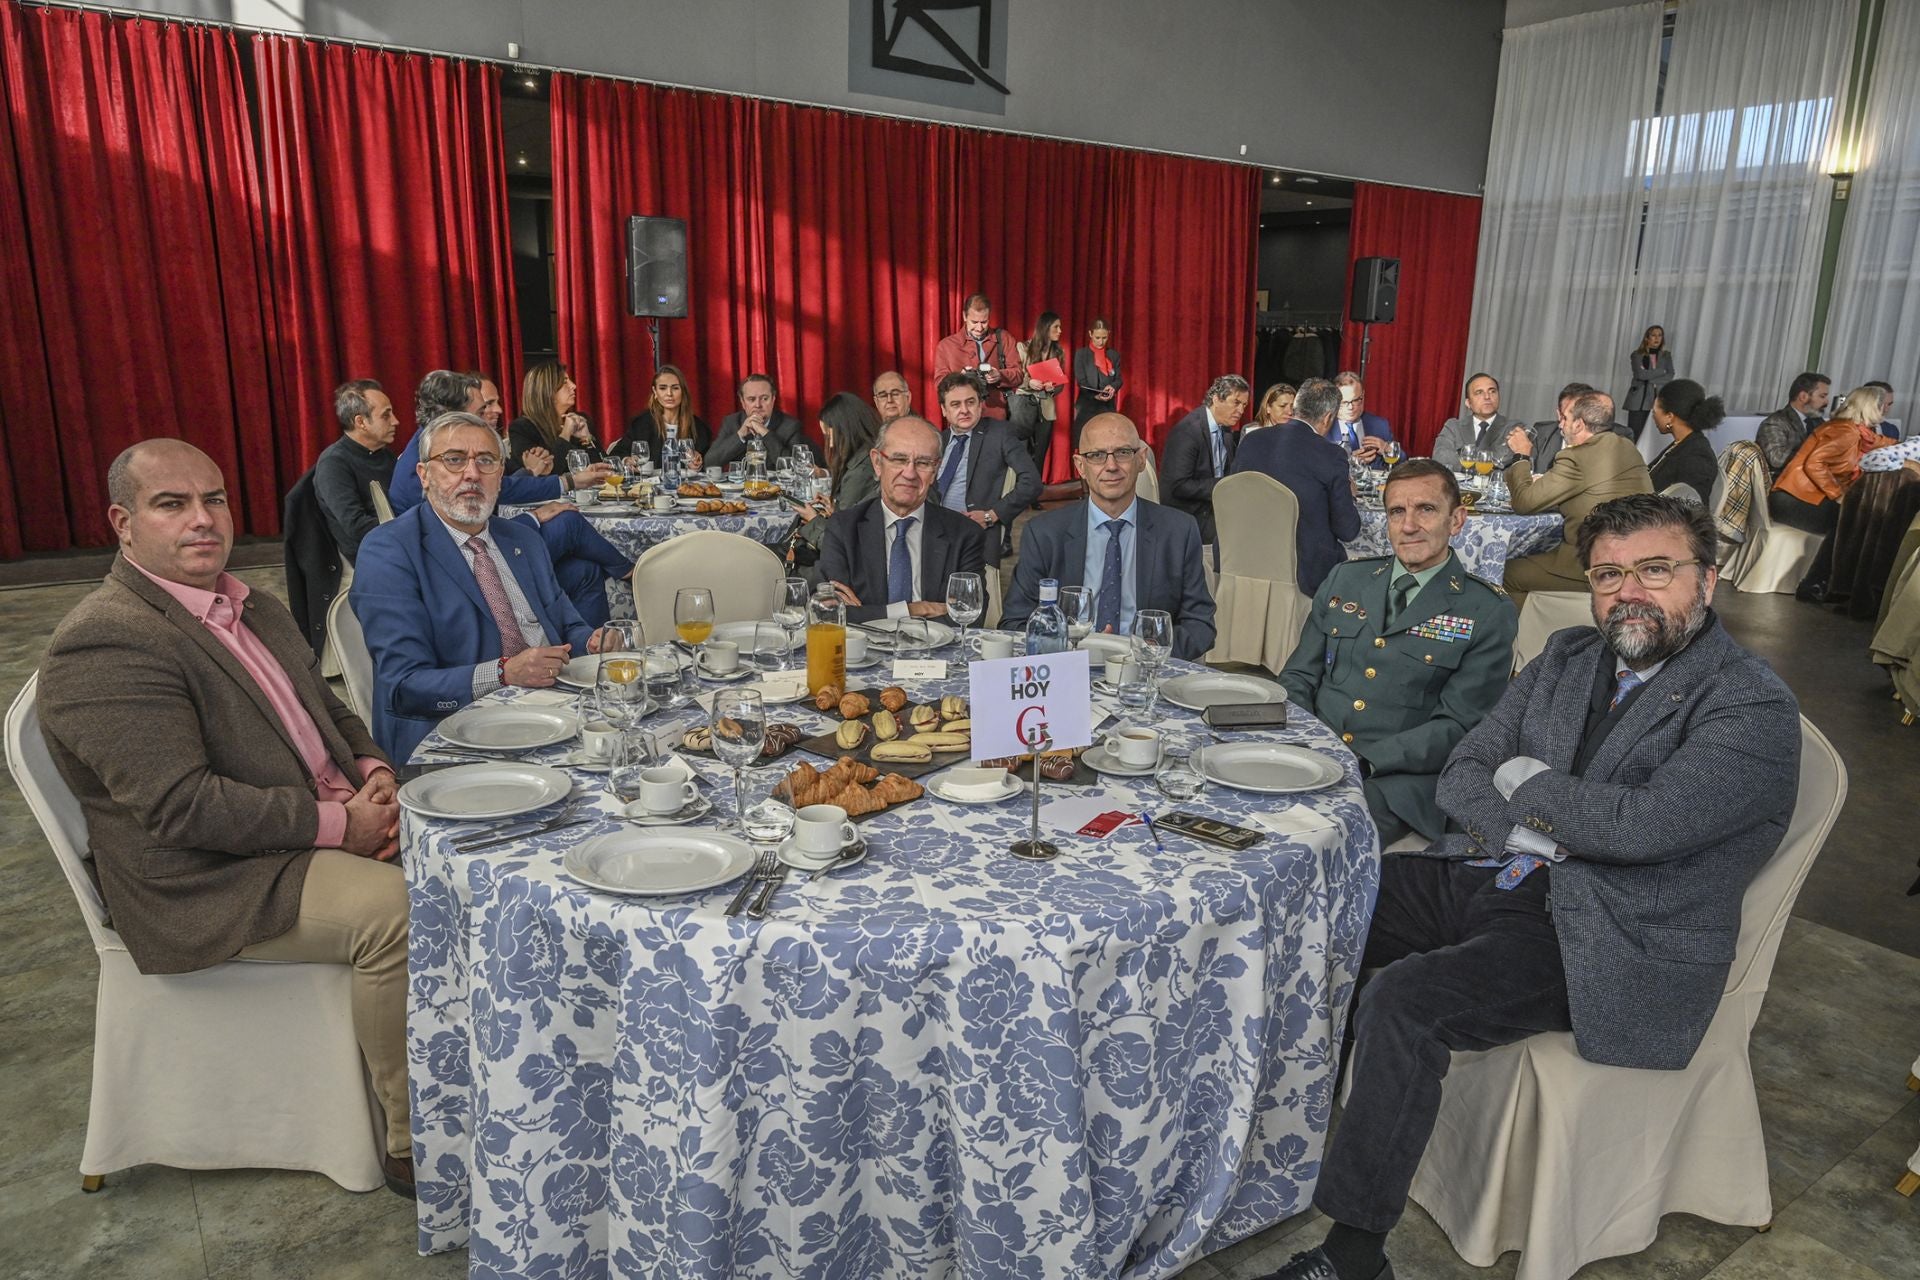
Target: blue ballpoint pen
(1153,831)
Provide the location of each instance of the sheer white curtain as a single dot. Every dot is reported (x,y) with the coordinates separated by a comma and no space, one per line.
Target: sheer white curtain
(1736,213)
(1874,326)
(1561,214)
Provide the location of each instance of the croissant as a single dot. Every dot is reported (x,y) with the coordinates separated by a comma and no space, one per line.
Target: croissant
(893,697)
(857,800)
(829,697)
(857,771)
(854,705)
(895,789)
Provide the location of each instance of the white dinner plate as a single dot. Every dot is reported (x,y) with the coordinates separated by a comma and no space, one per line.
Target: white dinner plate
(472,791)
(1103,646)
(658,860)
(581,672)
(1205,689)
(1271,768)
(942,634)
(1101,760)
(508,726)
(741,633)
(1008,790)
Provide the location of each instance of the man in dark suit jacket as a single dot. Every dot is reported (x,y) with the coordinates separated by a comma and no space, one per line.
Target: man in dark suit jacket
(1643,774)
(1360,433)
(1782,432)
(1155,549)
(1299,455)
(234,806)
(760,418)
(975,453)
(890,556)
(1482,426)
(1200,450)
(454,601)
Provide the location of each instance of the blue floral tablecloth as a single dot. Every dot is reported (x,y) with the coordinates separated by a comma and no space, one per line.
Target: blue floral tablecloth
(1485,543)
(941,1061)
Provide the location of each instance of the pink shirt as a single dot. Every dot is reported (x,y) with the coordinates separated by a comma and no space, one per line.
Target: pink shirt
(219,611)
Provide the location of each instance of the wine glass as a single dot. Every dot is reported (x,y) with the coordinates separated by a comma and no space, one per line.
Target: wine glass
(578,460)
(790,606)
(739,734)
(1153,629)
(618,687)
(1393,453)
(1180,778)
(1077,604)
(693,615)
(966,601)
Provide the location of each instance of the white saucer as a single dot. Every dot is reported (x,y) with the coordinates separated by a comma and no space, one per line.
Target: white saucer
(871,660)
(696,809)
(734,676)
(582,761)
(1100,760)
(1013,787)
(790,854)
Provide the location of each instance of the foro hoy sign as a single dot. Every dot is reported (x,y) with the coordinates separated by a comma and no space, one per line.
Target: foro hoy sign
(1013,699)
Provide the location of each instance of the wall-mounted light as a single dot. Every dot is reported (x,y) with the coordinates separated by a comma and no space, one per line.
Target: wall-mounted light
(1842,185)
(521,160)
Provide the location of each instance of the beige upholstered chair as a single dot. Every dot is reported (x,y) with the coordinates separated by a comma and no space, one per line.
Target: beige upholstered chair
(1774,557)
(381,507)
(1544,613)
(1260,607)
(247,1065)
(349,648)
(1537,1149)
(1149,486)
(741,573)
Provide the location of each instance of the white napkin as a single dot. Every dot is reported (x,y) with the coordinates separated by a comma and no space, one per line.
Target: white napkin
(546,698)
(1294,820)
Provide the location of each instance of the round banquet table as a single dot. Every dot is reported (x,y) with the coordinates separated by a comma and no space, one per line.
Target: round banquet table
(1873,519)
(1485,543)
(941,1057)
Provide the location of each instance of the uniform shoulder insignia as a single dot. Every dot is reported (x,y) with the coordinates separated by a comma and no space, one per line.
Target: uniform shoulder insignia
(1494,587)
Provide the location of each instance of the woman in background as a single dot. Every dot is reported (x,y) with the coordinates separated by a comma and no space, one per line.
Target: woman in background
(1685,411)
(1276,406)
(669,405)
(1032,409)
(1651,366)
(849,426)
(549,420)
(1815,480)
(1096,372)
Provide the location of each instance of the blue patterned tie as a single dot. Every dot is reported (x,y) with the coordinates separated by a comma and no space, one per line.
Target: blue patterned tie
(955,449)
(900,565)
(1624,682)
(1219,453)
(1106,615)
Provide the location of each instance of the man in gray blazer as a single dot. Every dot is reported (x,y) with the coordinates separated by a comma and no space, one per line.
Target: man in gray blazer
(760,419)
(1133,553)
(1782,432)
(975,452)
(1615,806)
(1482,426)
(234,806)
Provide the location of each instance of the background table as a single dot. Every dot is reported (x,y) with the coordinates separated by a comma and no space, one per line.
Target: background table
(1485,544)
(1873,519)
(942,1056)
(767,523)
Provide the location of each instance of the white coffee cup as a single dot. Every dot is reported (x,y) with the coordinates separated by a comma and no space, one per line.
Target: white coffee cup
(662,500)
(992,646)
(822,831)
(598,737)
(1117,670)
(722,656)
(1138,747)
(856,645)
(666,791)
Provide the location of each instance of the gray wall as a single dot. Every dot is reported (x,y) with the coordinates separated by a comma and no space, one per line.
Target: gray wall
(1524,13)
(1388,90)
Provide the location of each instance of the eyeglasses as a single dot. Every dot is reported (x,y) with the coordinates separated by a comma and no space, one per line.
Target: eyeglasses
(889,395)
(1651,574)
(456,461)
(902,461)
(1098,457)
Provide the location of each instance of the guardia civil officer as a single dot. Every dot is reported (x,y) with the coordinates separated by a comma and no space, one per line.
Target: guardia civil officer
(1403,654)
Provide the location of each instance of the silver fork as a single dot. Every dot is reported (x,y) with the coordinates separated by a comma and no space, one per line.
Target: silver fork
(762,870)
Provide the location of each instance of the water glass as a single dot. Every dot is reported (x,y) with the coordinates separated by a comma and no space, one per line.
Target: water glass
(668,676)
(966,600)
(736,472)
(634,752)
(739,734)
(1153,628)
(767,648)
(768,815)
(1077,604)
(1136,692)
(1180,778)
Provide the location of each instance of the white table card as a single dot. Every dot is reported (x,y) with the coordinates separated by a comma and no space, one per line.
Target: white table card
(919,669)
(1014,698)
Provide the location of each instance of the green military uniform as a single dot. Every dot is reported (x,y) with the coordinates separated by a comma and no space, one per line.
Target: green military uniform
(1402,696)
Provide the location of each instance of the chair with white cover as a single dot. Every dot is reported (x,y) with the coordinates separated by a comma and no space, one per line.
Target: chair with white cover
(1259,607)
(1774,557)
(741,573)
(381,506)
(349,647)
(246,1065)
(996,594)
(1149,483)
(1537,1149)
(1544,613)
(1910,1182)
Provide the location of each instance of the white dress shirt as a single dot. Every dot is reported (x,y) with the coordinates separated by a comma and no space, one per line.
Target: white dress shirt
(486,675)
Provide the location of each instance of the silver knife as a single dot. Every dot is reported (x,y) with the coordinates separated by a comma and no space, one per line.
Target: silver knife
(474,846)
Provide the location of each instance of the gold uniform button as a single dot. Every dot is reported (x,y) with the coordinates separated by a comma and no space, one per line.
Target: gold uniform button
(1359,704)
(1379,642)
(1347,738)
(1429,657)
(1370,673)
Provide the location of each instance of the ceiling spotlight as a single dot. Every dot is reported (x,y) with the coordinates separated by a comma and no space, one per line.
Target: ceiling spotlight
(1274,180)
(1309,204)
(521,160)
(530,82)
(1304,181)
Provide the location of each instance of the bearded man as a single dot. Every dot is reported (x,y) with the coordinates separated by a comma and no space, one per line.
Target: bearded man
(1615,805)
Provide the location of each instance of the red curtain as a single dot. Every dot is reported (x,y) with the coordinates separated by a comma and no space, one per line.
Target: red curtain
(1417,364)
(130,254)
(386,193)
(826,247)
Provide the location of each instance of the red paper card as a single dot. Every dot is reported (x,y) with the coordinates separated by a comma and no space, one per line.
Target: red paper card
(1107,823)
(1048,371)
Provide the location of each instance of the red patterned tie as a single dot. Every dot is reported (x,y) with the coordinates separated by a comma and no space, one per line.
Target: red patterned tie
(494,592)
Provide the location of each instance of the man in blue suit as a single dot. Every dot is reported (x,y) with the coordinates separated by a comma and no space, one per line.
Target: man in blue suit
(454,601)
(1360,433)
(582,559)
(1299,455)
(1134,554)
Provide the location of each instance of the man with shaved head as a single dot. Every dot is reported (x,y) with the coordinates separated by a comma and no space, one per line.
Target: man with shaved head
(234,806)
(1132,553)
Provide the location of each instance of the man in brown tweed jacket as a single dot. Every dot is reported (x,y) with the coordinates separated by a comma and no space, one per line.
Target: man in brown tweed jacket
(234,806)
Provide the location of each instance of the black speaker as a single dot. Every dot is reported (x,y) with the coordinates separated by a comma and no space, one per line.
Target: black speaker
(1376,288)
(656,267)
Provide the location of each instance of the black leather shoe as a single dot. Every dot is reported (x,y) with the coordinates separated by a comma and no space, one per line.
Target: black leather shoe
(1313,1265)
(1812,593)
(399,1172)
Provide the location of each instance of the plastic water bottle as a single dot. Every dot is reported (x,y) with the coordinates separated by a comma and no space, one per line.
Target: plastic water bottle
(1047,628)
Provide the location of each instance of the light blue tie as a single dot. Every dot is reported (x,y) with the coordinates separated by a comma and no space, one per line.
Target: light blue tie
(1219,453)
(955,449)
(900,565)
(1106,614)
(1624,683)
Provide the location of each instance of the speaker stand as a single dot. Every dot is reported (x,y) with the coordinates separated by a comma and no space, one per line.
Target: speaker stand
(653,331)
(1366,341)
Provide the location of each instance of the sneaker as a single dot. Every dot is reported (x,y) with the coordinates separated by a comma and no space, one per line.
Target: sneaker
(1313,1265)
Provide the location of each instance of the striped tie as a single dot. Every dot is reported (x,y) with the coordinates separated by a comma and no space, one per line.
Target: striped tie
(494,592)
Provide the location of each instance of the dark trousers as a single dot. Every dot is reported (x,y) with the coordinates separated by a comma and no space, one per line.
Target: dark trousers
(1637,422)
(1462,965)
(1030,427)
(583,560)
(1823,518)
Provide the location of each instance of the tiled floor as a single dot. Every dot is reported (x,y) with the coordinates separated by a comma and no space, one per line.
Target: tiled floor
(1830,1054)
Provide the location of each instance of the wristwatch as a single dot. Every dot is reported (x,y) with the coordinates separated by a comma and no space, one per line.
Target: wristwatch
(993,518)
